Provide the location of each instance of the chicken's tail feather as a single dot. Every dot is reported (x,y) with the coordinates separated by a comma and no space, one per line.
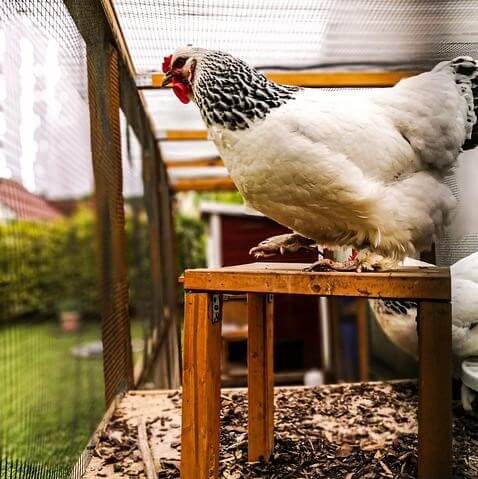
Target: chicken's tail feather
(466,78)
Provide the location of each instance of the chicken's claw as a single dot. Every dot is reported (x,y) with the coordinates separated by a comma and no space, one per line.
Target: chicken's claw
(331,265)
(281,244)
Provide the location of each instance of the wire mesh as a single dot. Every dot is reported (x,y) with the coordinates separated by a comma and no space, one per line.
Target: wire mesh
(308,34)
(64,234)
(301,34)
(138,247)
(52,393)
(150,263)
(104,100)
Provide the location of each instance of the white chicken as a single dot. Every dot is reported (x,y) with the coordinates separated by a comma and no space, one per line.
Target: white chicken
(360,170)
(398,318)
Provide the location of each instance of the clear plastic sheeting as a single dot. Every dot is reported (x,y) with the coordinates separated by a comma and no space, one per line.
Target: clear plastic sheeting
(301,34)
(187,150)
(164,106)
(131,156)
(461,238)
(189,173)
(43,103)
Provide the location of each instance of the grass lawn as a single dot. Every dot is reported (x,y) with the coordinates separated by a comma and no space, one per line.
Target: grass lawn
(50,401)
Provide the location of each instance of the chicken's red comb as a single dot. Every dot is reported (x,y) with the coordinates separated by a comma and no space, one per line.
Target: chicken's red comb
(167,63)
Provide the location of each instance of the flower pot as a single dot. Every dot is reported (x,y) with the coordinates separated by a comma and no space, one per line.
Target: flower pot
(69,321)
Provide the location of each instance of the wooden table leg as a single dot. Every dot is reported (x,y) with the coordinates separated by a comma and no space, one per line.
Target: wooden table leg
(362,336)
(260,365)
(201,386)
(434,406)
(334,321)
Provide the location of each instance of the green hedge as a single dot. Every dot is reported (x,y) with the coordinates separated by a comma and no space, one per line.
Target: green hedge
(46,267)
(191,243)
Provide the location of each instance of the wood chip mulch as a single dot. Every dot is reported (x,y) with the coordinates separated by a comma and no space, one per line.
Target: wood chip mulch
(339,431)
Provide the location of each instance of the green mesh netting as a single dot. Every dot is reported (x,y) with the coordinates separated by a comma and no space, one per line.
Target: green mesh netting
(51,375)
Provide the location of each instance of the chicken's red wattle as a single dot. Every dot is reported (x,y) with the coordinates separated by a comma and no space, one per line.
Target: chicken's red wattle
(181,90)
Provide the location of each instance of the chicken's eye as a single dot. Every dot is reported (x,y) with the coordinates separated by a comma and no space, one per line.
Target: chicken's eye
(179,63)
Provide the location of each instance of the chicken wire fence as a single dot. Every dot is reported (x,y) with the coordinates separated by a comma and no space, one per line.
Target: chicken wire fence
(84,230)
(301,34)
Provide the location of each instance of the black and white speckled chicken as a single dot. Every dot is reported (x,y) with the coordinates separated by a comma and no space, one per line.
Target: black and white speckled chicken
(398,318)
(360,170)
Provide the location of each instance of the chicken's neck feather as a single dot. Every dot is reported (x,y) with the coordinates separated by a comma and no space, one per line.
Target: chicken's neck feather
(230,93)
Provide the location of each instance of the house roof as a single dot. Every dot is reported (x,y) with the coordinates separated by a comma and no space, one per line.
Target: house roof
(25,205)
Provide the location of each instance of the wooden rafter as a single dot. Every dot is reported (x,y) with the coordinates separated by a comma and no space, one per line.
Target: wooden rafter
(328,79)
(195,162)
(203,184)
(340,79)
(115,26)
(182,135)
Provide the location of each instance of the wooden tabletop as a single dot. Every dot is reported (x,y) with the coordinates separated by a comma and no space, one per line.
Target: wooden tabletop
(419,283)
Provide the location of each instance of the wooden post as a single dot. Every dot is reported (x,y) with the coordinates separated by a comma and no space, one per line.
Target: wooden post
(101,36)
(260,314)
(169,255)
(201,386)
(104,104)
(362,337)
(334,321)
(434,406)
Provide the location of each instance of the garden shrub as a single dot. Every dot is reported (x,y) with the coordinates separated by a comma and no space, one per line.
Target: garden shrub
(51,266)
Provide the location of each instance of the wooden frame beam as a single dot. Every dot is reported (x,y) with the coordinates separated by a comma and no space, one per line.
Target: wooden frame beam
(195,162)
(182,135)
(435,373)
(278,278)
(328,79)
(362,338)
(104,106)
(117,32)
(352,79)
(260,369)
(201,388)
(204,184)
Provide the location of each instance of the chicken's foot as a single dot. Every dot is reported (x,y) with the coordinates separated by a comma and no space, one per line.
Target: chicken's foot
(326,264)
(364,260)
(282,244)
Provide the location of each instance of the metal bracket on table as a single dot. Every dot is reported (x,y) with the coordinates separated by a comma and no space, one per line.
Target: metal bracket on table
(216,308)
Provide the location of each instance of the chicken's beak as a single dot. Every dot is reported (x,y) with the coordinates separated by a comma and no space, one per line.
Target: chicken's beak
(168,78)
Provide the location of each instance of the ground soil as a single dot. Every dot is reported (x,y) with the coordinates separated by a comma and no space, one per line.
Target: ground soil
(338,431)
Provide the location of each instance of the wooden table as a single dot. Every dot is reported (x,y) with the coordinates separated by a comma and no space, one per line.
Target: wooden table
(431,287)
